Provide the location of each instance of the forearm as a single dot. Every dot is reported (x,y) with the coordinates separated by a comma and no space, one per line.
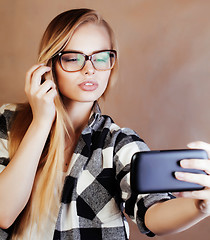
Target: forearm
(173,216)
(17,179)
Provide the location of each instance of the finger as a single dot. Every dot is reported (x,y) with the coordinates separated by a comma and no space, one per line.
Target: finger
(181,194)
(28,75)
(45,87)
(199,194)
(199,164)
(50,95)
(37,75)
(200,145)
(203,180)
(176,194)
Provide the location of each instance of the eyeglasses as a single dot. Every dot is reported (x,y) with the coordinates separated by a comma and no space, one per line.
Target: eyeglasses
(75,61)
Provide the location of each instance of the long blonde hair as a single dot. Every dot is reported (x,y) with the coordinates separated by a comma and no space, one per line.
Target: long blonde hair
(46,193)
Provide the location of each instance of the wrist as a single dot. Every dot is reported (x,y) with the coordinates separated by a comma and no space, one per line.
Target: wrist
(43,125)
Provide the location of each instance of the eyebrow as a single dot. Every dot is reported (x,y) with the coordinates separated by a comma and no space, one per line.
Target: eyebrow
(76,51)
(70,50)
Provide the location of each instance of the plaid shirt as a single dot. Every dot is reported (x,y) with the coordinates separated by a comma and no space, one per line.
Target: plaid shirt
(97,186)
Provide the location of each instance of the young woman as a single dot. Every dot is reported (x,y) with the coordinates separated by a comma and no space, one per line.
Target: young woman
(64,166)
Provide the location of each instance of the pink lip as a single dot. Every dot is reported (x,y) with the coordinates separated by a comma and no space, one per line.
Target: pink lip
(88,85)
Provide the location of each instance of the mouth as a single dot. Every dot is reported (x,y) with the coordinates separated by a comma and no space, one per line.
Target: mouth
(88,85)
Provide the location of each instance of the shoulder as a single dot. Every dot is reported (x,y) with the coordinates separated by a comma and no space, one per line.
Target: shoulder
(9,107)
(7,111)
(118,143)
(121,136)
(128,142)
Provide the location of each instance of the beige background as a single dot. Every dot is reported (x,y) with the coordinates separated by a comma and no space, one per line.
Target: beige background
(163,89)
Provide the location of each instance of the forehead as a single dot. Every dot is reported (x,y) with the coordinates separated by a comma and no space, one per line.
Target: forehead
(89,38)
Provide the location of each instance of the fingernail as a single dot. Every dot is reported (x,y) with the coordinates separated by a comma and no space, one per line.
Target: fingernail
(48,68)
(176,194)
(179,175)
(191,145)
(184,163)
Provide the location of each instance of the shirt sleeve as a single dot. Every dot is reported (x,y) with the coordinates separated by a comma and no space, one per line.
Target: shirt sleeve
(6,113)
(128,143)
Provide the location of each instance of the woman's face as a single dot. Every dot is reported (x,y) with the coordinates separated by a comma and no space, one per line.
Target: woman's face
(88,84)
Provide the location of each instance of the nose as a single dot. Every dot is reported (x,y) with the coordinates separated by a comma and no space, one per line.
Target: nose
(88,68)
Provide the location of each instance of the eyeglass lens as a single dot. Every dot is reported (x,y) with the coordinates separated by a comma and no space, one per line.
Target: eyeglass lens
(76,61)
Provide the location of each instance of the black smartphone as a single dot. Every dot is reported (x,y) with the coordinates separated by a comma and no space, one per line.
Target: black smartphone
(153,171)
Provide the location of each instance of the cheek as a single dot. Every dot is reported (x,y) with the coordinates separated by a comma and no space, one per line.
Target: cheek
(64,79)
(106,77)
(61,82)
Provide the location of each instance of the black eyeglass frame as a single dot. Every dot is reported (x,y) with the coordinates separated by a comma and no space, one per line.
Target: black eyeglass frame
(87,57)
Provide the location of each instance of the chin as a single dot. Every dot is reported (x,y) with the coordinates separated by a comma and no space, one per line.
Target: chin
(83,97)
(89,98)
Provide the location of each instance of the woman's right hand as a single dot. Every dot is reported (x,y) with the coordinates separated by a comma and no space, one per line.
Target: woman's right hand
(41,95)
(202,196)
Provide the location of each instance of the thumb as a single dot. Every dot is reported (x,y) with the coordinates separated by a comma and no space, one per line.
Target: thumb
(200,145)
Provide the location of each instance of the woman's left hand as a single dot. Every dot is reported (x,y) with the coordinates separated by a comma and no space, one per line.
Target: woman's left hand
(203,196)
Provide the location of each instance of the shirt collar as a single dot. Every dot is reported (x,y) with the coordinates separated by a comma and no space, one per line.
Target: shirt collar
(95,114)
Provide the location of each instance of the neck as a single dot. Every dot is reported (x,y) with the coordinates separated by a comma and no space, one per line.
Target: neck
(79,113)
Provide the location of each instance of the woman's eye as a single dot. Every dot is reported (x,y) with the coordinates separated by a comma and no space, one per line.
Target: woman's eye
(101,60)
(102,57)
(70,59)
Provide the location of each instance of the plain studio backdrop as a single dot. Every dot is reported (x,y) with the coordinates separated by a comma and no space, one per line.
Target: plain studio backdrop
(163,87)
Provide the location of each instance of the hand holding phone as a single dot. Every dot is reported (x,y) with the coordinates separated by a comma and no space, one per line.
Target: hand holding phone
(153,171)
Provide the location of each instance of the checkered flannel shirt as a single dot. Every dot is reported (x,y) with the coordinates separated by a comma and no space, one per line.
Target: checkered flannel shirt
(97,186)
